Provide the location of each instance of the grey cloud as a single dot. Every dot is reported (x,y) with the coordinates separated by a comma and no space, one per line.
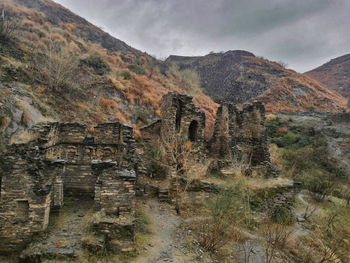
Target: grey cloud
(302,33)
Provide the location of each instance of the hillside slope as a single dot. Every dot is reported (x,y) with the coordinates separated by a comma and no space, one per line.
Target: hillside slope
(239,76)
(67,69)
(334,74)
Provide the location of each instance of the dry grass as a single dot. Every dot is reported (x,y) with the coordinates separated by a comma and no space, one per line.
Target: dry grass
(26,119)
(37,33)
(4,121)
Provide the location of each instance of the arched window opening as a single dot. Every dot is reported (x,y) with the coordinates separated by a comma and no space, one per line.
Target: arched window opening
(192,131)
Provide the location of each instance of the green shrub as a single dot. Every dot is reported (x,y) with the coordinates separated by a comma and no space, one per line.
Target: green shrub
(283,215)
(229,209)
(303,141)
(126,59)
(319,184)
(311,109)
(125,74)
(272,126)
(258,199)
(142,221)
(98,64)
(137,69)
(298,160)
(337,192)
(141,114)
(288,139)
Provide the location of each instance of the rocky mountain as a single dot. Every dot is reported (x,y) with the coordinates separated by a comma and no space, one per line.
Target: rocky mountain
(240,76)
(55,65)
(334,74)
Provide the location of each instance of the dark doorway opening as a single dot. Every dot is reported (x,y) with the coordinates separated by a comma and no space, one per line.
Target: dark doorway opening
(178,117)
(192,131)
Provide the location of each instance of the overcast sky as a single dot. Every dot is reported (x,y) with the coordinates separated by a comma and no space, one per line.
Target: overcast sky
(302,33)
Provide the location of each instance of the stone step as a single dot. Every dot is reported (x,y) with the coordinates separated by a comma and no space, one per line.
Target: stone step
(163,196)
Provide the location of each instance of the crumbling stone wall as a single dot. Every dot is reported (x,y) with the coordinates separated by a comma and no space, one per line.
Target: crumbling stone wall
(180,117)
(27,189)
(240,135)
(180,121)
(114,188)
(64,158)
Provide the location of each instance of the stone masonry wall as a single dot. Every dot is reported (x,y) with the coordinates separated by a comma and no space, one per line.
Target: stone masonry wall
(63,156)
(180,117)
(27,189)
(240,135)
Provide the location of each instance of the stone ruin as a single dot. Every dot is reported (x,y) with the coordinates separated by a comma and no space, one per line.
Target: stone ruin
(109,167)
(239,136)
(66,160)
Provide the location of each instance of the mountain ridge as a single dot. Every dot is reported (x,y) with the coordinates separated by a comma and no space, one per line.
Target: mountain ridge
(238,76)
(58,14)
(334,74)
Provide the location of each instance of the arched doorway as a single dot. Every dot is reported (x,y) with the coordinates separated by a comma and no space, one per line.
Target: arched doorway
(192,131)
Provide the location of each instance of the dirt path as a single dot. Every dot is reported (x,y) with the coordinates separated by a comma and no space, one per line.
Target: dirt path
(167,243)
(299,228)
(62,238)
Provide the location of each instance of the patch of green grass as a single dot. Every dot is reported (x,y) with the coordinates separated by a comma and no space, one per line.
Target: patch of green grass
(137,69)
(124,74)
(98,64)
(142,221)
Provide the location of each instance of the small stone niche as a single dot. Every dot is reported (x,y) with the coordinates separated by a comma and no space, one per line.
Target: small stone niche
(22,210)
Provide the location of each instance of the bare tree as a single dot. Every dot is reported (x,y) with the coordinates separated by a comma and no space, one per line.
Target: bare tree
(8,26)
(275,237)
(54,67)
(330,240)
(309,211)
(184,168)
(247,248)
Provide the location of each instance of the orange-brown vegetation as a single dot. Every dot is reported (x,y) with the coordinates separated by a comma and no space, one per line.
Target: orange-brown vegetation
(137,133)
(40,90)
(282,96)
(92,99)
(282,130)
(25,118)
(91,130)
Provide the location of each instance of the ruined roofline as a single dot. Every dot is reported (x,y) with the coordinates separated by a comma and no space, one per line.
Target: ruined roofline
(78,124)
(186,100)
(55,133)
(154,123)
